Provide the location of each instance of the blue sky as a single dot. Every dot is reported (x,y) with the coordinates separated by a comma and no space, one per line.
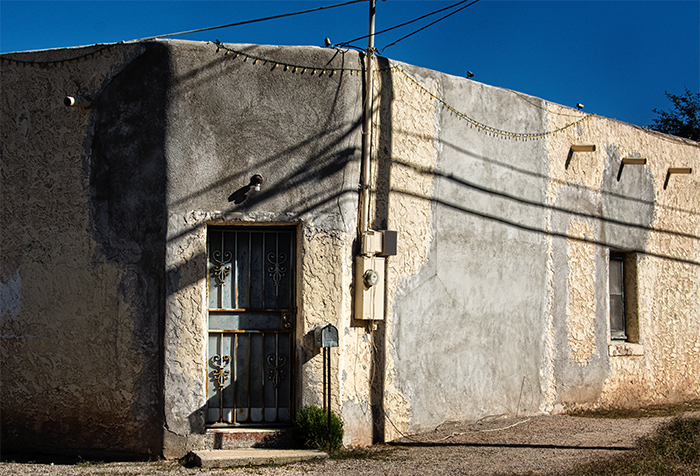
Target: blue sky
(616,57)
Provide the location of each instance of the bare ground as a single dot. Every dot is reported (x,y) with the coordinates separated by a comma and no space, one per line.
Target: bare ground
(501,446)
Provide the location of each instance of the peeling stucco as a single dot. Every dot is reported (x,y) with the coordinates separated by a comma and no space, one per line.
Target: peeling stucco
(458,311)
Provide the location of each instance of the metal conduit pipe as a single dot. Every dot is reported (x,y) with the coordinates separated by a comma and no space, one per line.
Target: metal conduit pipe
(367,127)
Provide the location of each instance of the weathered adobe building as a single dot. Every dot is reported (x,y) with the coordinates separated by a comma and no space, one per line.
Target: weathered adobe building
(545,258)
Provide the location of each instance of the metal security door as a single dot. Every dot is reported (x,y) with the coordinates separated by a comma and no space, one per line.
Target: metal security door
(251,324)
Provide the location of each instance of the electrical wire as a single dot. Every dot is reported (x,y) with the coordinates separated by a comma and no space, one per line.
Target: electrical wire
(430,24)
(451,435)
(347,43)
(485,431)
(247,22)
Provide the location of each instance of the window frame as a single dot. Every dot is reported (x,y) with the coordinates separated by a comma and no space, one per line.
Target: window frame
(616,296)
(628,332)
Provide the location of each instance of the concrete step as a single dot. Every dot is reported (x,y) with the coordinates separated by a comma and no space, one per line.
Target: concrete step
(252,457)
(227,438)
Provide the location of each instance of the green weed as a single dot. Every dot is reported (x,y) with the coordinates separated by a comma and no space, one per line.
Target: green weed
(310,429)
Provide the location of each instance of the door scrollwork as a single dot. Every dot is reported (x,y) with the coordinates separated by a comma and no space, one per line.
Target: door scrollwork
(222,267)
(276,374)
(219,374)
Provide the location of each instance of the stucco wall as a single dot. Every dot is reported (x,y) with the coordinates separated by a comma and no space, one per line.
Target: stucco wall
(508,312)
(466,319)
(79,329)
(175,131)
(229,118)
(405,161)
(634,214)
(497,300)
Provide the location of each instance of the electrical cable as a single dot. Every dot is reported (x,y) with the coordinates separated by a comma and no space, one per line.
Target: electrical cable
(430,24)
(347,43)
(461,433)
(247,22)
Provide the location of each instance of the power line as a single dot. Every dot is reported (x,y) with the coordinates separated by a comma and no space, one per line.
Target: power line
(430,24)
(347,43)
(247,22)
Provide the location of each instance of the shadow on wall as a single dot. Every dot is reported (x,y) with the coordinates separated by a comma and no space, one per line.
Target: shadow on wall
(129,179)
(305,172)
(568,211)
(129,218)
(380,219)
(281,126)
(330,162)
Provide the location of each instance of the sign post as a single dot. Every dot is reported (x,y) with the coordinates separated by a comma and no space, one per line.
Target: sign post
(326,337)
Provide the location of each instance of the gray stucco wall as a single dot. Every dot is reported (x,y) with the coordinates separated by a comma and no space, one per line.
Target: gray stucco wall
(229,119)
(508,311)
(470,322)
(109,353)
(175,131)
(82,280)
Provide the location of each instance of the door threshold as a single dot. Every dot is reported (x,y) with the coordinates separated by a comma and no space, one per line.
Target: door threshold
(235,437)
(247,429)
(248,426)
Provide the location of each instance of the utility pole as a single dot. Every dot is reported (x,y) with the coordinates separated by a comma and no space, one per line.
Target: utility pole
(370,40)
(367,123)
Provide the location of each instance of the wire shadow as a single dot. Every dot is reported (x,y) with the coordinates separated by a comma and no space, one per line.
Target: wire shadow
(510,445)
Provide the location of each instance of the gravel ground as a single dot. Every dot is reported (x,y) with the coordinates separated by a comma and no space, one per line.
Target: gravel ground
(499,446)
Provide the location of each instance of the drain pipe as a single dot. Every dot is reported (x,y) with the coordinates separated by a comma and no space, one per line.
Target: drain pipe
(367,126)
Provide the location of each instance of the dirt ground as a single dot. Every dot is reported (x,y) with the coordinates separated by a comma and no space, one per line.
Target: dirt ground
(498,446)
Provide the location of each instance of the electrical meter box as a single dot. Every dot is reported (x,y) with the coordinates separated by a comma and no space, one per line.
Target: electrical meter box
(380,243)
(326,336)
(369,287)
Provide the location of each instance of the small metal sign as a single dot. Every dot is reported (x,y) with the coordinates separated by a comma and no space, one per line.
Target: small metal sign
(326,336)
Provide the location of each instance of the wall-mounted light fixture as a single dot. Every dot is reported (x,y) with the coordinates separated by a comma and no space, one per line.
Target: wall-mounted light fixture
(240,195)
(256,181)
(676,170)
(578,148)
(630,161)
(73,101)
